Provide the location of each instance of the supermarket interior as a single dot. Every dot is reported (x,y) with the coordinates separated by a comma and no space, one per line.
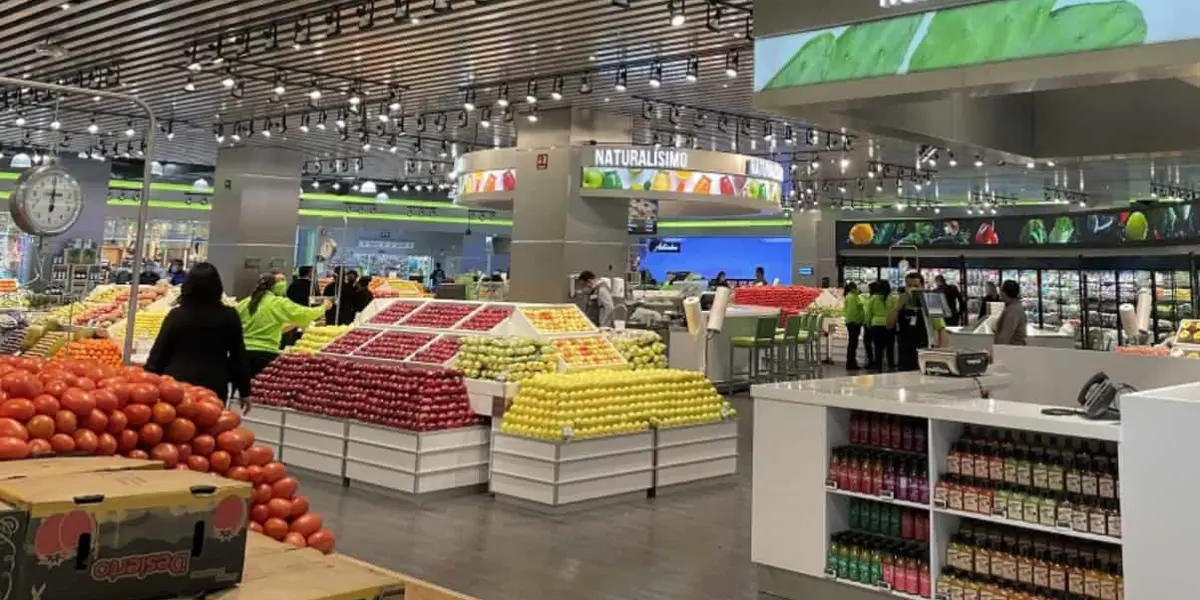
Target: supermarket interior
(739,299)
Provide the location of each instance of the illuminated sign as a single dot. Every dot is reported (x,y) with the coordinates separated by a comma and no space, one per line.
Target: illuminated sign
(641,158)
(665,246)
(764,169)
(895,3)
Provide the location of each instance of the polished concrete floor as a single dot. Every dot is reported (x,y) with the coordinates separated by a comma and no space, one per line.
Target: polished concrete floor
(693,545)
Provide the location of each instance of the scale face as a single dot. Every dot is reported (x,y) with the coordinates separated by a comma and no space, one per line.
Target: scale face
(46,201)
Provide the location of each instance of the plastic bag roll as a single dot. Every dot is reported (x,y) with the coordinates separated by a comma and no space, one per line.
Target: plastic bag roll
(618,287)
(1129,319)
(716,315)
(693,314)
(1144,303)
(775,281)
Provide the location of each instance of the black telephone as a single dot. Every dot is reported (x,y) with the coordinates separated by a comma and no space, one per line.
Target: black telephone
(1097,398)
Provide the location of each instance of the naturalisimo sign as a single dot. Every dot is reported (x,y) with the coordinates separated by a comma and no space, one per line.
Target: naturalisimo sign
(641,158)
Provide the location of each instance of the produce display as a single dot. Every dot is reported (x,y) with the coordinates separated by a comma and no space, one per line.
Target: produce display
(101,350)
(790,299)
(559,406)
(440,315)
(7,285)
(316,338)
(413,399)
(350,341)
(641,349)
(504,358)
(439,352)
(18,300)
(588,351)
(47,345)
(557,319)
(10,343)
(81,407)
(394,313)
(394,345)
(146,325)
(486,318)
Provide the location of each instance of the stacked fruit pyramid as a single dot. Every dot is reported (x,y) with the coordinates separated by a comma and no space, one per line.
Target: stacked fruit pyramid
(559,406)
(505,358)
(75,407)
(317,337)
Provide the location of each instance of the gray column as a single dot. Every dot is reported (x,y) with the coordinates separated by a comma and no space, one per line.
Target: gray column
(814,247)
(555,232)
(254,218)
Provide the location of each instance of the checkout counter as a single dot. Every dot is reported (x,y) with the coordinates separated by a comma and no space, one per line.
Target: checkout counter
(968,338)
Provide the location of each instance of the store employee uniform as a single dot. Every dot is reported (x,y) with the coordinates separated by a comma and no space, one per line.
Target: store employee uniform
(875,313)
(911,334)
(855,317)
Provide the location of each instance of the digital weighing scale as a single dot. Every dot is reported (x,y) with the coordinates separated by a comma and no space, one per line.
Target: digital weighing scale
(946,361)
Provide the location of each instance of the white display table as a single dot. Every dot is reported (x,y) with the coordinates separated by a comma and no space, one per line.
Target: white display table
(688,352)
(797,424)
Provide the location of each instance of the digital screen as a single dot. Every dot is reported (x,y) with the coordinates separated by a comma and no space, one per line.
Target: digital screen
(968,36)
(487,182)
(681,182)
(935,303)
(643,217)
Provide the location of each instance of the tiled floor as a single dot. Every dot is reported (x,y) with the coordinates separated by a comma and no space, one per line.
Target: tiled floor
(693,545)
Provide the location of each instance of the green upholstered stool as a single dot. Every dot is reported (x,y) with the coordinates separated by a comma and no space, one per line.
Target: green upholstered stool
(763,341)
(787,349)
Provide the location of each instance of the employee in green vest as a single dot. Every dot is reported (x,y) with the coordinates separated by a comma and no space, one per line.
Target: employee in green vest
(908,320)
(878,307)
(264,314)
(855,316)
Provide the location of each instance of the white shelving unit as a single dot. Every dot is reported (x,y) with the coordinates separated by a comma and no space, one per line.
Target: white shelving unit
(404,461)
(798,424)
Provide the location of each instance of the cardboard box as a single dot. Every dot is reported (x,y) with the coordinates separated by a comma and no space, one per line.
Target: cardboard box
(38,467)
(122,535)
(305,574)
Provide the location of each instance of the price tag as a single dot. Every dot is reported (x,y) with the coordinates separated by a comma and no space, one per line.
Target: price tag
(831,573)
(883,585)
(1066,525)
(939,503)
(941,596)
(999,512)
(887,494)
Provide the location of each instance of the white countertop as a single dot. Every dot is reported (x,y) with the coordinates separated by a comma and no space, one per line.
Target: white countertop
(929,397)
(744,310)
(1030,332)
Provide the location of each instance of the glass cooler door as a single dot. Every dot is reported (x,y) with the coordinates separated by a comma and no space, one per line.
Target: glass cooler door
(976,289)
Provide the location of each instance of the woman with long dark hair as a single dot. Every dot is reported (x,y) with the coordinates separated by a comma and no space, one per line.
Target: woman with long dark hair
(264,314)
(201,339)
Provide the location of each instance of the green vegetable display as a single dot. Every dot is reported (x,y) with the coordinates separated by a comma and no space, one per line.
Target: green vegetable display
(1063,232)
(966,36)
(1033,233)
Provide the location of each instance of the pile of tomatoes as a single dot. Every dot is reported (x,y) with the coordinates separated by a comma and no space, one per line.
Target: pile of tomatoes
(83,407)
(101,350)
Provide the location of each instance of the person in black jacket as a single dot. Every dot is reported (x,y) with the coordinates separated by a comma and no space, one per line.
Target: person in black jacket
(201,339)
(345,299)
(362,293)
(301,287)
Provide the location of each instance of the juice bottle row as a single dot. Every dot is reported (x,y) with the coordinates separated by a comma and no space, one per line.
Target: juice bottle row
(880,473)
(898,565)
(1074,512)
(889,520)
(1050,463)
(889,431)
(1002,563)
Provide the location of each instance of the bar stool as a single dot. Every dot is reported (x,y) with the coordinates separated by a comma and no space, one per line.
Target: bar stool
(762,341)
(787,348)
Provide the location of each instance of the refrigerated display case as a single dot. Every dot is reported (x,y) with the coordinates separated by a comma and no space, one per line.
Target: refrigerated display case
(1030,291)
(1100,303)
(1060,297)
(977,280)
(860,275)
(1172,302)
(953,275)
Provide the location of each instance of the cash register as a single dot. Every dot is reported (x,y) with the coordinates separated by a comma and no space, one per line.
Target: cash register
(946,361)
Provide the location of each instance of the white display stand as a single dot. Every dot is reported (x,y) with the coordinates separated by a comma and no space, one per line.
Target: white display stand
(1055,375)
(403,461)
(550,475)
(796,424)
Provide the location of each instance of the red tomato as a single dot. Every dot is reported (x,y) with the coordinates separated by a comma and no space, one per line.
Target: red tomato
(162,413)
(180,431)
(13,428)
(167,453)
(261,493)
(285,488)
(276,528)
(117,422)
(280,508)
(41,427)
(247,436)
(12,448)
(138,414)
(238,473)
(307,524)
(150,434)
(18,408)
(87,441)
(259,455)
(322,540)
(78,401)
(185,451)
(256,527)
(107,445)
(273,472)
(299,506)
(197,463)
(220,461)
(141,454)
(204,444)
(56,387)
(40,447)
(207,413)
(62,443)
(228,421)
(170,392)
(45,404)
(143,393)
(230,442)
(123,390)
(106,400)
(259,513)
(127,440)
(21,384)
(295,539)
(66,422)
(186,409)
(97,421)
(254,474)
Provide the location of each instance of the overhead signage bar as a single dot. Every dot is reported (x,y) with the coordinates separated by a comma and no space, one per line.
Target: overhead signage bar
(764,169)
(640,158)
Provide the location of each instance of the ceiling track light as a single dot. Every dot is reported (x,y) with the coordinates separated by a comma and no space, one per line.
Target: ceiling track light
(383,113)
(585,83)
(656,73)
(92,127)
(621,80)
(305,120)
(485,118)
(469,100)
(731,63)
(692,73)
(279,88)
(531,92)
(314,92)
(712,16)
(129,131)
(190,84)
(355,95)
(170,130)
(556,89)
(228,81)
(20,120)
(677,10)
(442,7)
(502,96)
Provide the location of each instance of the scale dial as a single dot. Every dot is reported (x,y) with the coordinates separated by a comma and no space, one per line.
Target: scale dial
(46,201)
